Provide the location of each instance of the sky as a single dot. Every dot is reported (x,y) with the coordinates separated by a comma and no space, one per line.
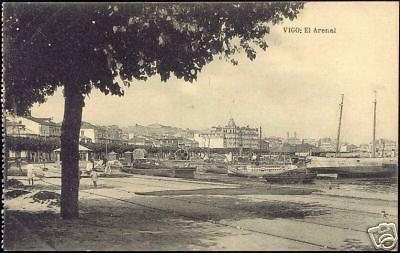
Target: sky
(293,86)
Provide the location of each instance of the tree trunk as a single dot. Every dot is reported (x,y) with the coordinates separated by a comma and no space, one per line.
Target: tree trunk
(69,156)
(6,161)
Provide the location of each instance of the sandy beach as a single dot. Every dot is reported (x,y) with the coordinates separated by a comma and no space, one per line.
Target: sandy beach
(135,212)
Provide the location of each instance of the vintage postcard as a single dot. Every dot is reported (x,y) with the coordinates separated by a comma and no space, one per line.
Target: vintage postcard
(200,126)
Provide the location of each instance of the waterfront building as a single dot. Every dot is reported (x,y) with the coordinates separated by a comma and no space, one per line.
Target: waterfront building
(386,148)
(209,139)
(16,129)
(87,133)
(100,134)
(29,130)
(327,144)
(292,140)
(139,140)
(274,142)
(34,127)
(84,153)
(383,148)
(167,141)
(310,141)
(90,133)
(187,143)
(348,148)
(265,145)
(229,136)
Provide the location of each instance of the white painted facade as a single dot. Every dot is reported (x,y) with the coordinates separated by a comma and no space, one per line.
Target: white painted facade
(87,133)
(29,126)
(206,141)
(32,126)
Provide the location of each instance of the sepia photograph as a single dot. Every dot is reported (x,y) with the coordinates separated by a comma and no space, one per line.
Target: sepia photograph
(200,126)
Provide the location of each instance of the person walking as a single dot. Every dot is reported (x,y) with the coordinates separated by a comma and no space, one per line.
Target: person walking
(30,173)
(93,175)
(105,164)
(89,166)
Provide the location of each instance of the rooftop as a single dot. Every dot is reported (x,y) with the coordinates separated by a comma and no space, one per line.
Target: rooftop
(43,121)
(87,125)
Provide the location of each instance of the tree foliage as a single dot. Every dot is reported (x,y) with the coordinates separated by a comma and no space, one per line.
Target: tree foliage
(32,144)
(82,46)
(110,45)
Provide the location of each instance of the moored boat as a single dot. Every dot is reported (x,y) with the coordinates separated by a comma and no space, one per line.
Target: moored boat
(273,173)
(354,167)
(170,168)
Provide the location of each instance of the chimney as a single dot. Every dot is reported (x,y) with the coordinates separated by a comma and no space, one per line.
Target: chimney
(287,135)
(295,135)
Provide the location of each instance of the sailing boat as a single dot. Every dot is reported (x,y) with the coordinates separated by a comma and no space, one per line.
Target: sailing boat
(354,166)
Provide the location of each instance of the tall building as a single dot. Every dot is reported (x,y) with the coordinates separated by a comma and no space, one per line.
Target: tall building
(229,136)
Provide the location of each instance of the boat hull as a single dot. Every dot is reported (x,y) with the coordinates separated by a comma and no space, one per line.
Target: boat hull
(163,172)
(218,169)
(355,167)
(278,174)
(251,171)
(297,176)
(166,168)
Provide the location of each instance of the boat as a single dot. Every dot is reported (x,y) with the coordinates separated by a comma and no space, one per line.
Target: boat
(166,168)
(298,175)
(211,166)
(217,168)
(354,166)
(289,173)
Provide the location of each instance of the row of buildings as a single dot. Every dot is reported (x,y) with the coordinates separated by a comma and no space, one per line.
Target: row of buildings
(42,128)
(31,127)
(228,136)
(383,147)
(34,127)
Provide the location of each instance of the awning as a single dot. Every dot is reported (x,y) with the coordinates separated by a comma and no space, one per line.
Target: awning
(81,149)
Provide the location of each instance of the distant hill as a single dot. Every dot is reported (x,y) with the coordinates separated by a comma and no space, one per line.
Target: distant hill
(158,130)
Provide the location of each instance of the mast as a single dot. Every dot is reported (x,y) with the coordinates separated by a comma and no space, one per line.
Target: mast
(340,124)
(374,129)
(240,142)
(260,141)
(209,150)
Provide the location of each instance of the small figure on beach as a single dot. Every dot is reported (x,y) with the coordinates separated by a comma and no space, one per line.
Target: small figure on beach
(30,173)
(89,166)
(106,164)
(108,167)
(93,175)
(330,185)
